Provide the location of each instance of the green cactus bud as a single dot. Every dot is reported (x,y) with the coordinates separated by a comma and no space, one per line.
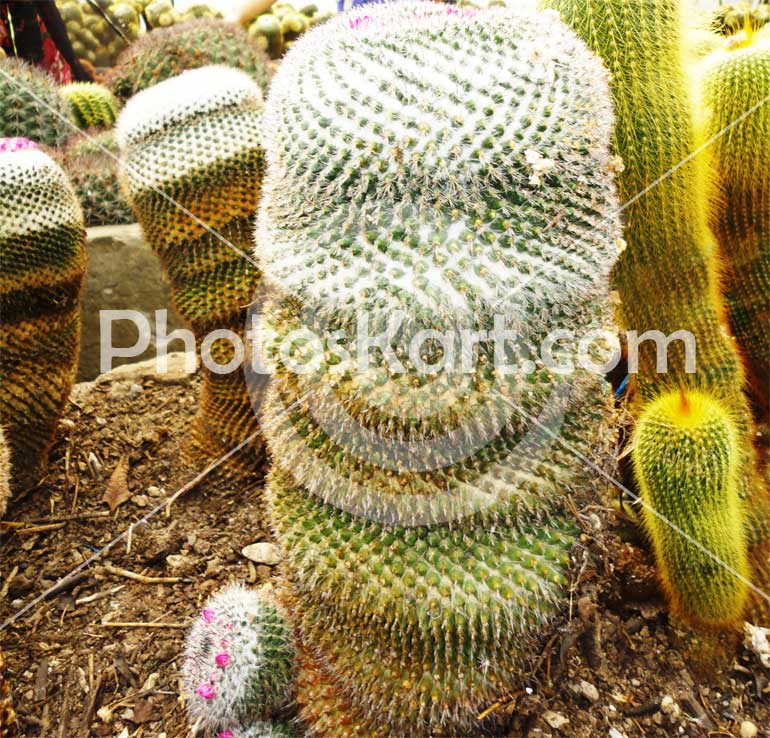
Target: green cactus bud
(192,162)
(735,85)
(30,105)
(685,451)
(5,474)
(239,660)
(42,249)
(91,164)
(165,53)
(426,553)
(91,104)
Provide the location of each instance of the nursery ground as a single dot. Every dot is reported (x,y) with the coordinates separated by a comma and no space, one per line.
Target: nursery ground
(611,665)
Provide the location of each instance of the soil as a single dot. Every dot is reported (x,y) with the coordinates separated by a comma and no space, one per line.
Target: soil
(615,667)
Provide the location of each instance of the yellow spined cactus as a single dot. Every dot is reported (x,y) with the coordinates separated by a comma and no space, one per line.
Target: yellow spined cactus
(5,474)
(735,85)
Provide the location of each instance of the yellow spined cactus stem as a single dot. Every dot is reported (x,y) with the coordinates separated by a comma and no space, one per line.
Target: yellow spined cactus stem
(5,474)
(735,85)
(685,452)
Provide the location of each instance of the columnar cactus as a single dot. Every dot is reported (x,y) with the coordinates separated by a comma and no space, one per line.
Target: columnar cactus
(30,104)
(166,52)
(735,85)
(449,166)
(239,662)
(91,104)
(668,276)
(191,167)
(42,249)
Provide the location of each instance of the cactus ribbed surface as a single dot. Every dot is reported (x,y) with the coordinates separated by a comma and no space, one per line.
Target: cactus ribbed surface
(166,52)
(91,104)
(7,713)
(737,17)
(685,461)
(416,157)
(735,86)
(30,104)
(197,140)
(668,276)
(5,474)
(239,660)
(42,249)
(92,166)
(262,730)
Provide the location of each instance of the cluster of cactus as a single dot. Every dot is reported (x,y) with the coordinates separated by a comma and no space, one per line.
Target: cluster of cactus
(239,663)
(735,83)
(91,164)
(42,249)
(426,538)
(91,105)
(668,280)
(162,14)
(30,104)
(165,53)
(93,32)
(191,167)
(728,20)
(277,28)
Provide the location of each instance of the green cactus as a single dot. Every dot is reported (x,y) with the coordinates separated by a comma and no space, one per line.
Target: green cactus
(685,452)
(42,249)
(239,660)
(5,474)
(91,104)
(734,18)
(30,105)
(735,85)
(91,164)
(668,276)
(166,52)
(426,549)
(195,201)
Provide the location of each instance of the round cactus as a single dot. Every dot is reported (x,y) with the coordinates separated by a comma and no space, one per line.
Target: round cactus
(420,159)
(239,660)
(191,167)
(30,104)
(42,249)
(685,461)
(736,17)
(261,730)
(166,52)
(91,104)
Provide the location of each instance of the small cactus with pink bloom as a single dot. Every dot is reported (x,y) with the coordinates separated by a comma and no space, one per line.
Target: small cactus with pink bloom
(239,663)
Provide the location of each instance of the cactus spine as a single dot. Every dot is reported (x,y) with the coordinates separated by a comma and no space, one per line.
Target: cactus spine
(424,551)
(42,249)
(735,85)
(196,139)
(667,277)
(5,474)
(239,660)
(91,104)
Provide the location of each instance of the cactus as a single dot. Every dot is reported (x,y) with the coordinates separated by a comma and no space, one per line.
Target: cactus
(92,166)
(731,19)
(685,460)
(239,660)
(7,713)
(425,549)
(196,139)
(5,474)
(30,105)
(261,730)
(166,52)
(735,84)
(667,277)
(91,104)
(42,249)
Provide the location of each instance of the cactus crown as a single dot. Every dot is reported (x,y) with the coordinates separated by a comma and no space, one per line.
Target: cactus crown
(91,104)
(239,659)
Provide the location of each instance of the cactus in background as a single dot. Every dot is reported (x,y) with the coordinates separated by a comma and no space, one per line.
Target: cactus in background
(667,277)
(685,452)
(91,104)
(30,104)
(166,52)
(239,660)
(422,514)
(42,249)
(735,85)
(191,167)
(731,19)
(91,164)
(5,474)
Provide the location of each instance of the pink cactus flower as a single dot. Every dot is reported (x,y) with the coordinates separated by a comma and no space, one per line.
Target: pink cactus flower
(16,144)
(222,659)
(206,691)
(208,615)
(227,734)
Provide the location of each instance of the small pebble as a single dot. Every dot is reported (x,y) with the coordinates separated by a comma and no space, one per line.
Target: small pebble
(748,729)
(100,421)
(140,500)
(263,553)
(555,719)
(587,690)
